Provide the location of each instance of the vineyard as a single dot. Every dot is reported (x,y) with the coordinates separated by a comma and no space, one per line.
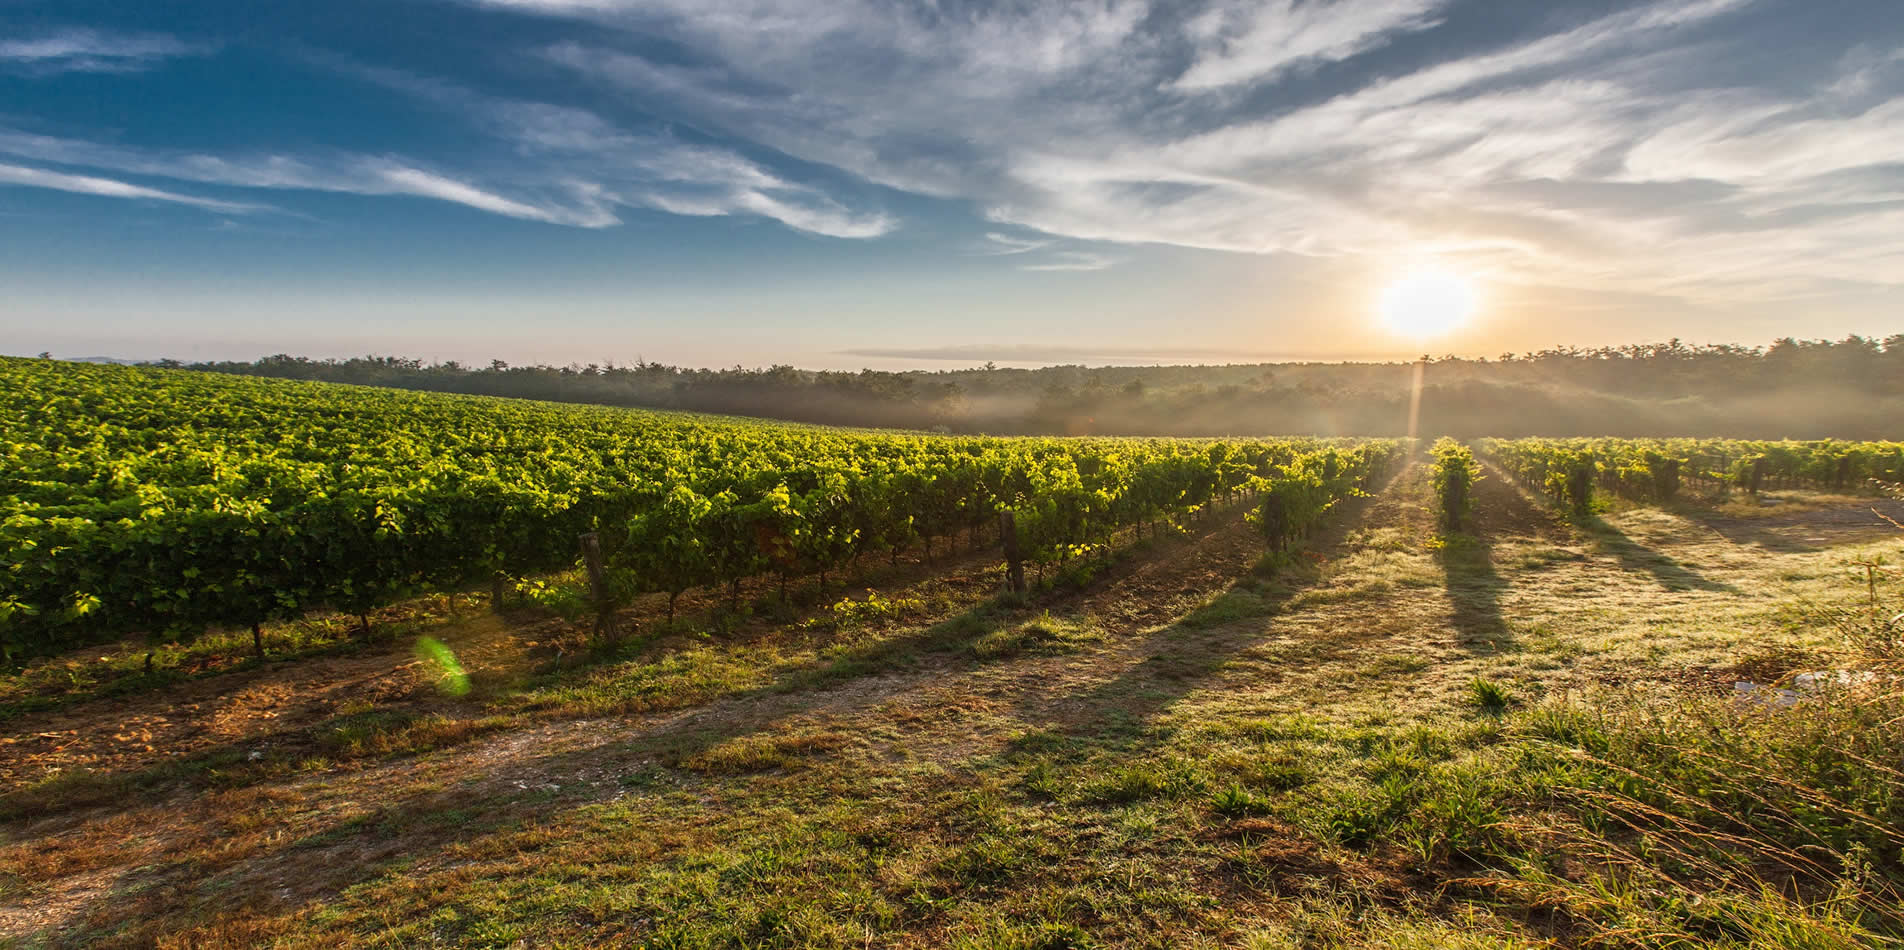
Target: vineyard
(162,503)
(1655,470)
(772,685)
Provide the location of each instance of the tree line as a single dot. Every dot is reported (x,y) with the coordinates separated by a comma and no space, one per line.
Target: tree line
(1850,388)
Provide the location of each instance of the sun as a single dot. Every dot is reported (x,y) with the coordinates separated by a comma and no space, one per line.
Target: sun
(1427,303)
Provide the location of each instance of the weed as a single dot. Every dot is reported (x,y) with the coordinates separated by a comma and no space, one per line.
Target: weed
(1488,696)
(1044,634)
(1236,802)
(1140,781)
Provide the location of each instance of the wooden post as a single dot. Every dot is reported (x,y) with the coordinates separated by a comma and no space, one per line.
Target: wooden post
(495,592)
(605,625)
(1014,566)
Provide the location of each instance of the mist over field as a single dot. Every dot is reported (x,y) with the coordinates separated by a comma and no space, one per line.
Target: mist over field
(1852,388)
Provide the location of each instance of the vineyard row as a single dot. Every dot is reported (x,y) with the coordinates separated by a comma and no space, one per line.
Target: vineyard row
(143,501)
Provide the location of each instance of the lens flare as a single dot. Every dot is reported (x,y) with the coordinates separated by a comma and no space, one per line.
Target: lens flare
(450,677)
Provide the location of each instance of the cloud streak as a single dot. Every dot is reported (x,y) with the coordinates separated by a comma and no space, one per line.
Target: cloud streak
(1256,41)
(1070,261)
(90,51)
(617,167)
(556,164)
(110,188)
(339,173)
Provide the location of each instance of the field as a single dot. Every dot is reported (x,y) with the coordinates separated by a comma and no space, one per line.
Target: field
(1265,693)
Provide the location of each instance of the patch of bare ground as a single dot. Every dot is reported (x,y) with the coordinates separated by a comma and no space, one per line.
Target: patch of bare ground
(274,707)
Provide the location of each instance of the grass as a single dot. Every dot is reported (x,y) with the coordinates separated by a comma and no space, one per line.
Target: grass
(1328,757)
(1488,696)
(1043,634)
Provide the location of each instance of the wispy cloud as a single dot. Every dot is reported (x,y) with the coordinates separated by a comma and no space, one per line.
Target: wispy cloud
(83,50)
(996,243)
(644,169)
(1617,146)
(554,164)
(112,188)
(404,180)
(1241,42)
(341,173)
(1070,260)
(562,193)
(1198,126)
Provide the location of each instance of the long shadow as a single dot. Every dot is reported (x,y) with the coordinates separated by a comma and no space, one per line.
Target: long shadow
(1745,533)
(1804,531)
(1633,556)
(1184,655)
(331,854)
(1638,559)
(1474,592)
(419,826)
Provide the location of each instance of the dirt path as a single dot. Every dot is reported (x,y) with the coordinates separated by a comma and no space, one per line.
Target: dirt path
(277,706)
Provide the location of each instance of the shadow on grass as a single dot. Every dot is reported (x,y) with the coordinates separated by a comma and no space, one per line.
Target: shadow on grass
(1474,591)
(1807,530)
(1639,559)
(1183,656)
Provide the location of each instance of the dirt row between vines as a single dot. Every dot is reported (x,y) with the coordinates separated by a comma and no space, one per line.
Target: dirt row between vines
(80,864)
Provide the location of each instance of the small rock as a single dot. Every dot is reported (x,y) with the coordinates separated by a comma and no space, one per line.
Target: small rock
(1831,679)
(1748,691)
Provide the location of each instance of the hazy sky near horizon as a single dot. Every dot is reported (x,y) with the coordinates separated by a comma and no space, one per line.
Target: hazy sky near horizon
(840,183)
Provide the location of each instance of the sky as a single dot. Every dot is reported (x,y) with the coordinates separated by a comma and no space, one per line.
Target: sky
(938,183)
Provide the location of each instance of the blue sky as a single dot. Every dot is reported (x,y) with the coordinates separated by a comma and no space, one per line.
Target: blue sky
(842,183)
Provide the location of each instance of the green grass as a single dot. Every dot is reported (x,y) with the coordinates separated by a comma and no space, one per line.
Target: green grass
(1043,634)
(1488,696)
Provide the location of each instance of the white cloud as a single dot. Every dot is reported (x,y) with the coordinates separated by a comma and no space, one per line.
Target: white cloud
(1070,261)
(1006,244)
(341,173)
(81,50)
(404,180)
(562,165)
(111,188)
(651,173)
(819,218)
(616,167)
(1624,150)
(1117,122)
(1257,41)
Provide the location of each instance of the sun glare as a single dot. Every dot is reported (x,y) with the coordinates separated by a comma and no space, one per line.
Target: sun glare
(1426,304)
